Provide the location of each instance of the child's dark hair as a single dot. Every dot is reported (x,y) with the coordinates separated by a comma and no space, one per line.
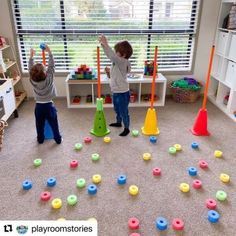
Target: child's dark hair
(124,48)
(37,72)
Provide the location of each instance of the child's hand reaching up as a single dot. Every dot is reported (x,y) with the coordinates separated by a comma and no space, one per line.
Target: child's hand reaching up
(47,49)
(32,52)
(103,40)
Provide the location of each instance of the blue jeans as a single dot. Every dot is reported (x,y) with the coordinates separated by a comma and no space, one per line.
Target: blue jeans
(46,111)
(121,103)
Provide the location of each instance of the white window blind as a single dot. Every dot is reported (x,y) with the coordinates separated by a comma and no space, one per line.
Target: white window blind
(71,28)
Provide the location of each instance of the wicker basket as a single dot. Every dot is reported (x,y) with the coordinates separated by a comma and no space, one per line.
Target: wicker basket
(184,95)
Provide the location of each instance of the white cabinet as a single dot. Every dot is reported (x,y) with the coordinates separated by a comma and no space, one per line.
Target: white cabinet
(222,90)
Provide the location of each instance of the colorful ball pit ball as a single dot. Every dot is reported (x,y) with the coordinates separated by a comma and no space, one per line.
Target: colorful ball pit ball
(195,145)
(147,156)
(45,196)
(153,139)
(133,190)
(74,164)
(221,195)
(197,184)
(203,164)
(135,133)
(51,182)
(156,171)
(211,204)
(121,180)
(177,224)
(78,146)
(133,223)
(224,178)
(178,147)
(218,154)
(184,187)
(95,157)
(27,185)
(213,216)
(161,223)
(192,171)
(37,162)
(56,203)
(71,200)
(81,183)
(172,150)
(107,139)
(92,189)
(87,140)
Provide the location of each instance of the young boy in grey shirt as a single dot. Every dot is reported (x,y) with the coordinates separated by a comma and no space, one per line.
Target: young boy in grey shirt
(118,80)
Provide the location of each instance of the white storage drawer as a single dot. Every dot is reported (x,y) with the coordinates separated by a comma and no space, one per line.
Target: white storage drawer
(232,49)
(222,43)
(230,78)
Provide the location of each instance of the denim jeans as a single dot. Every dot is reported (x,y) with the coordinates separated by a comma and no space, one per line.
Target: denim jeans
(46,111)
(121,103)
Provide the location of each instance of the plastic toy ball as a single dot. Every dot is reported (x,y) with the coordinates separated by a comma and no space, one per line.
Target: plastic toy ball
(71,200)
(78,146)
(37,162)
(156,171)
(135,234)
(213,216)
(178,147)
(51,182)
(203,164)
(192,171)
(172,150)
(133,190)
(161,223)
(95,157)
(42,46)
(224,178)
(81,183)
(45,196)
(153,139)
(211,204)
(133,223)
(177,224)
(107,139)
(221,195)
(27,184)
(218,154)
(56,203)
(96,179)
(135,133)
(184,187)
(194,145)
(121,179)
(87,140)
(197,184)
(74,164)
(92,189)
(147,156)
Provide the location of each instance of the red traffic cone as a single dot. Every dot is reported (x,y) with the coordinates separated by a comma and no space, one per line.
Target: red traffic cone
(200,124)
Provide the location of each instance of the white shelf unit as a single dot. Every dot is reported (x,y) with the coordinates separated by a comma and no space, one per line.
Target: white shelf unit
(223,81)
(140,86)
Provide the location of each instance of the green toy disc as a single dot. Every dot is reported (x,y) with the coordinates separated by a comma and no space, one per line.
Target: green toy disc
(221,195)
(72,200)
(172,150)
(37,162)
(135,133)
(95,156)
(81,183)
(78,146)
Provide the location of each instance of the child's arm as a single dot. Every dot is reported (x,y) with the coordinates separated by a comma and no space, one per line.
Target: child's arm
(31,59)
(51,64)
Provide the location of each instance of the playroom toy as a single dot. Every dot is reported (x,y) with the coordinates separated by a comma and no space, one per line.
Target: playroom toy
(149,68)
(78,146)
(87,140)
(147,156)
(95,157)
(97,179)
(211,204)
(108,99)
(135,133)
(92,189)
(135,234)
(133,190)
(177,224)
(80,183)
(172,150)
(56,203)
(192,171)
(153,139)
(72,200)
(161,223)
(37,162)
(224,178)
(218,153)
(43,47)
(184,187)
(83,72)
(221,195)
(197,184)
(150,124)
(195,145)
(74,164)
(121,180)
(107,139)
(133,223)
(178,147)
(27,184)
(45,196)
(156,171)
(76,99)
(51,182)
(203,164)
(213,216)
(200,125)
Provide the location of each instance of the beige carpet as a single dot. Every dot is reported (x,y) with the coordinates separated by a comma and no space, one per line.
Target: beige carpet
(113,206)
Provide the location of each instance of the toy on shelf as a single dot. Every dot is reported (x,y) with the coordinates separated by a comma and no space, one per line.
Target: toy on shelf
(133,96)
(76,99)
(89,98)
(108,99)
(148,68)
(83,72)
(226,99)
(147,97)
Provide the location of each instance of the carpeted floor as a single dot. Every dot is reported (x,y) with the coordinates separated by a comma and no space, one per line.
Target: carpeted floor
(113,206)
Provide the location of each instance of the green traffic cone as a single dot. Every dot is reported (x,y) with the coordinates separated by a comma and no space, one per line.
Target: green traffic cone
(99,127)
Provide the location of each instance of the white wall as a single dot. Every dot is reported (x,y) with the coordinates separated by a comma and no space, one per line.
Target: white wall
(208,24)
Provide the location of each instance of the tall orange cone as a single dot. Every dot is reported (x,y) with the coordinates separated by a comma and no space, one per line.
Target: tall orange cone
(200,125)
(150,125)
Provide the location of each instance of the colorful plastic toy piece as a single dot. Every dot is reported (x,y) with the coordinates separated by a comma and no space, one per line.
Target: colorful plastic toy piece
(96,179)
(42,46)
(213,216)
(178,147)
(133,190)
(107,139)
(192,171)
(203,164)
(197,184)
(184,187)
(56,203)
(135,234)
(224,178)
(37,162)
(95,157)
(147,156)
(172,150)
(135,133)
(92,189)
(177,224)
(121,180)
(156,171)
(161,223)
(221,195)
(27,184)
(78,146)
(211,204)
(133,223)
(153,139)
(87,140)
(218,154)
(74,164)
(45,196)
(72,200)
(51,182)
(195,145)
(81,183)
